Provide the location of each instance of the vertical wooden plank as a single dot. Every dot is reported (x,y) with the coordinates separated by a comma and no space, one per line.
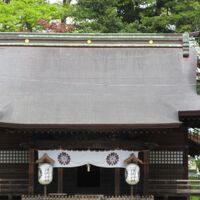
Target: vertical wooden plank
(60,180)
(185,162)
(117,181)
(31,172)
(185,154)
(146,158)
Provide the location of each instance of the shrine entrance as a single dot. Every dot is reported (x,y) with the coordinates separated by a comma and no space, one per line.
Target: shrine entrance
(78,181)
(74,175)
(89,177)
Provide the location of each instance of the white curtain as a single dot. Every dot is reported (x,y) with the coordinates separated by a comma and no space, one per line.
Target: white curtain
(107,159)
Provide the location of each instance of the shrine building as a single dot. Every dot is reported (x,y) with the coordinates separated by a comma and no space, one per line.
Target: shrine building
(87,102)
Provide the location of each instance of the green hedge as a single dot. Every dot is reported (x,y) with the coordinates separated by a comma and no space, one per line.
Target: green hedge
(194,198)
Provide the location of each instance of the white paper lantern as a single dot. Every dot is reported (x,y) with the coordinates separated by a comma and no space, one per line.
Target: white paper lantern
(45,173)
(132,174)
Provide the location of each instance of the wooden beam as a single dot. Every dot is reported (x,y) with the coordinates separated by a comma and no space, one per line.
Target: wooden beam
(146,158)
(189,113)
(31,172)
(117,181)
(96,144)
(60,180)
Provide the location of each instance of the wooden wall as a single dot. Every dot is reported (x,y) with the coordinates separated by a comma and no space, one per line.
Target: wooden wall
(14,171)
(172,141)
(168,140)
(10,142)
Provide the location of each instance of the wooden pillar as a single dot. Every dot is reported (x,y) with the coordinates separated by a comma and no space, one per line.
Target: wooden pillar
(117,181)
(146,158)
(31,172)
(185,154)
(185,162)
(60,180)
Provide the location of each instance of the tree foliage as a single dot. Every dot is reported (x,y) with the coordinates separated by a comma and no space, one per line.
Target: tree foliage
(198,163)
(23,15)
(98,16)
(138,15)
(172,16)
(104,15)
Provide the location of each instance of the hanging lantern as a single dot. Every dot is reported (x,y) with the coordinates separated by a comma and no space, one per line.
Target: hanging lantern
(132,174)
(45,170)
(45,173)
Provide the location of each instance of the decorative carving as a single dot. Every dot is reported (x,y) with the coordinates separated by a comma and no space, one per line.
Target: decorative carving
(186,45)
(133,159)
(45,159)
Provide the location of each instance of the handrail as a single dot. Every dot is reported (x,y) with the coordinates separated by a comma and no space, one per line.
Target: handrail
(85,197)
(13,186)
(165,186)
(12,179)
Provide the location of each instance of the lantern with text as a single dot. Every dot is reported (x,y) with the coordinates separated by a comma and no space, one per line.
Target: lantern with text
(132,171)
(45,171)
(132,174)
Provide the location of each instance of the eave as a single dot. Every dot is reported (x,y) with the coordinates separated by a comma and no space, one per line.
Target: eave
(91,126)
(190,118)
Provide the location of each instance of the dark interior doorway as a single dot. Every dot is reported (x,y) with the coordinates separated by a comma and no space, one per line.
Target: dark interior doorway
(88,179)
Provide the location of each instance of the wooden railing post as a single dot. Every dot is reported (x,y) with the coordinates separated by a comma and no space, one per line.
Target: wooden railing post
(31,172)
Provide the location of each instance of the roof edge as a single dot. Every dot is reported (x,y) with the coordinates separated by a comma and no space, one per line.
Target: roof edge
(91,126)
(92,39)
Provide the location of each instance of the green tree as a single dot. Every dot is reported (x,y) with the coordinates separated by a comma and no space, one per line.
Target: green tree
(137,15)
(104,15)
(97,16)
(172,16)
(198,163)
(5,1)
(22,15)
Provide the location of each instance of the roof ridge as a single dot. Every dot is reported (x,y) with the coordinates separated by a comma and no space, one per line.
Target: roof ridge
(92,40)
